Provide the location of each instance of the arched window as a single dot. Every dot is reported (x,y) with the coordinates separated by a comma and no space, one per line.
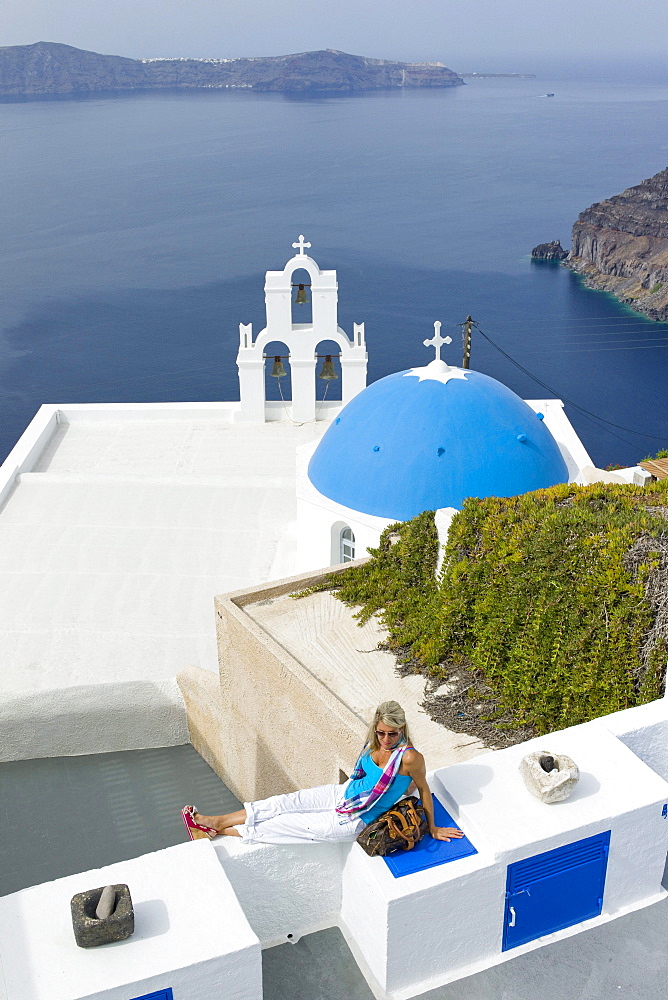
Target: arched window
(346,545)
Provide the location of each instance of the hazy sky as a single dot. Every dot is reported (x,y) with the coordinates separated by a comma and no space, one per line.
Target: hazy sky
(465,34)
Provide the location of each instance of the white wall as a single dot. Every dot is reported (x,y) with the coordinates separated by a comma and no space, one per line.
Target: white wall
(571,447)
(92,718)
(190,934)
(644,730)
(285,891)
(443,520)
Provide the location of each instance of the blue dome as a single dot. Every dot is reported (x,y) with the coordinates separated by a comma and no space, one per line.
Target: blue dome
(430,437)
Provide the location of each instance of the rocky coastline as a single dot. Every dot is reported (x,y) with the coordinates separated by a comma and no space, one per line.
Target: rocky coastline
(50,68)
(620,245)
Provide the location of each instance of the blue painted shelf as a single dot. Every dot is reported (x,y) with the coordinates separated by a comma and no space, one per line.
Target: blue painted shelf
(429,852)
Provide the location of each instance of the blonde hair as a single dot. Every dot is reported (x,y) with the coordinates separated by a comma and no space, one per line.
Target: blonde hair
(392,714)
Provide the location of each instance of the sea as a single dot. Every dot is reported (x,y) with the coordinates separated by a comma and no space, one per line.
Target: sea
(136,230)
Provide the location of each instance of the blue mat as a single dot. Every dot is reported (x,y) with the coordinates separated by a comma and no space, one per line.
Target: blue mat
(429,852)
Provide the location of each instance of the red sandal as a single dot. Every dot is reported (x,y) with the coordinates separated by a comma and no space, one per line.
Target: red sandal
(196,831)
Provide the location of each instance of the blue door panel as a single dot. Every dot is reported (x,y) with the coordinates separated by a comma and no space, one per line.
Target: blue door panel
(165,994)
(555,890)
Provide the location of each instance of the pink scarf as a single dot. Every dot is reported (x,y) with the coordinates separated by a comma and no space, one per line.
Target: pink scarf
(352,808)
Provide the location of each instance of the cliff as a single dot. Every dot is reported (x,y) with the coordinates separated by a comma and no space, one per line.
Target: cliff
(47,68)
(620,245)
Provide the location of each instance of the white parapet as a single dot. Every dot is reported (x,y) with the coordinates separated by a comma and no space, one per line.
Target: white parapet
(190,934)
(28,448)
(633,474)
(448,922)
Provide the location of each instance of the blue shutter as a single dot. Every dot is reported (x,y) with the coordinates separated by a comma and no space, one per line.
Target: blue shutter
(554,890)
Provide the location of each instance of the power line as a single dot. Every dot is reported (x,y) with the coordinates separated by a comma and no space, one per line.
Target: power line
(576,406)
(648,347)
(562,320)
(589,329)
(606,321)
(612,335)
(636,340)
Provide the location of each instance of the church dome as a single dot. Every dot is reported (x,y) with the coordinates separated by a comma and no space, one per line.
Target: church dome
(430,437)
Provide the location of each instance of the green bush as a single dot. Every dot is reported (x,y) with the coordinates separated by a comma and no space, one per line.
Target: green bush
(544,594)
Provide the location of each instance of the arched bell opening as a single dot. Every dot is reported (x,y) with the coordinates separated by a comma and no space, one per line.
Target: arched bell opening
(328,374)
(302,300)
(277,373)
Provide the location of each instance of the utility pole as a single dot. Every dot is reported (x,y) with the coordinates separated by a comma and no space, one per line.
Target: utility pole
(467,324)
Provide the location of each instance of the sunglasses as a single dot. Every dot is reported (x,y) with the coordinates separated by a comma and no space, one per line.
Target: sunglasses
(387,736)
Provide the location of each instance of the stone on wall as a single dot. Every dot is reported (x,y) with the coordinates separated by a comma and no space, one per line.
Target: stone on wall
(95,923)
(550,777)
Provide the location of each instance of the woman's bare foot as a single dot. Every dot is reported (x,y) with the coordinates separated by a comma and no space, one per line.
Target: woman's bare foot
(222,823)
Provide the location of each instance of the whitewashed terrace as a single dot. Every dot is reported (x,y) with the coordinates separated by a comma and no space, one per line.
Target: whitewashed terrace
(114,545)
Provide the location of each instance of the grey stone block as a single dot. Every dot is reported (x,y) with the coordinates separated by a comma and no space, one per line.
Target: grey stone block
(89,931)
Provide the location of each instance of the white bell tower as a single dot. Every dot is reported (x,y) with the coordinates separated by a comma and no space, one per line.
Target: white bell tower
(301,340)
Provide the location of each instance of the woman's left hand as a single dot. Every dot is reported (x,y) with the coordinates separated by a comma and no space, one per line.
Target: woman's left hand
(446,833)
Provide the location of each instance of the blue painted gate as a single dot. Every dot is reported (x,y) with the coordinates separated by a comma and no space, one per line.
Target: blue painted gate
(555,890)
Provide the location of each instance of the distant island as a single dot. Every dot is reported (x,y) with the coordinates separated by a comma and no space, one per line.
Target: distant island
(620,245)
(50,68)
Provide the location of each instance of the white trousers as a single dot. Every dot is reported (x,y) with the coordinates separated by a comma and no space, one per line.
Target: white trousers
(307,816)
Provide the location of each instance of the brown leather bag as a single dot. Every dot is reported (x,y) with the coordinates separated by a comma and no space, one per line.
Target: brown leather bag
(400,828)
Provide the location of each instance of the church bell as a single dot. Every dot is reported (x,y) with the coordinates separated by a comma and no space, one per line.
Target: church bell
(278,371)
(301,299)
(328,372)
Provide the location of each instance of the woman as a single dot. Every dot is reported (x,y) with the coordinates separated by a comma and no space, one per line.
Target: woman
(387,767)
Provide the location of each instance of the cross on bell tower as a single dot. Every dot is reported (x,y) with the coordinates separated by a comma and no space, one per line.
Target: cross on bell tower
(299,245)
(437,341)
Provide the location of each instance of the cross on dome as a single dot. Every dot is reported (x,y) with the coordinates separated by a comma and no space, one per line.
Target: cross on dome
(300,244)
(437,340)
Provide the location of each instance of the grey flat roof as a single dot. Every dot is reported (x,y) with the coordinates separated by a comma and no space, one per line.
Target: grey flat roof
(63,815)
(627,958)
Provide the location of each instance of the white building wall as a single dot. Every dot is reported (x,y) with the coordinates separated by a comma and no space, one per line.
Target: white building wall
(320,521)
